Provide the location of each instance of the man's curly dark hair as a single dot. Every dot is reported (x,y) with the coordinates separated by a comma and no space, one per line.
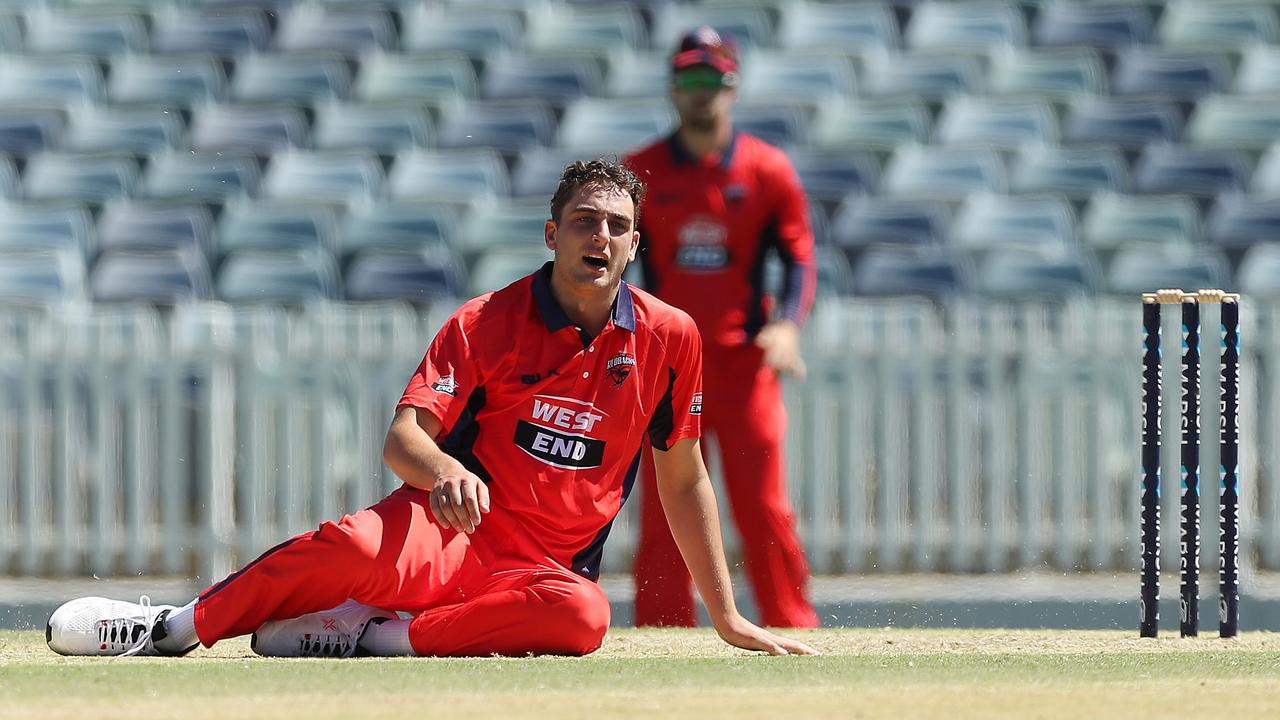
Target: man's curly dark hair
(598,171)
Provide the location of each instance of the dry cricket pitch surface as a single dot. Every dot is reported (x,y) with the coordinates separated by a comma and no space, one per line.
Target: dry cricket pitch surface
(650,674)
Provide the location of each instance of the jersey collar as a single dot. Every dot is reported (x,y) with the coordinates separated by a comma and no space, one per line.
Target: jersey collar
(680,155)
(554,317)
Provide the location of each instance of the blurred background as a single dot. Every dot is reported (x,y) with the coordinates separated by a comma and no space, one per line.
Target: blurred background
(230,227)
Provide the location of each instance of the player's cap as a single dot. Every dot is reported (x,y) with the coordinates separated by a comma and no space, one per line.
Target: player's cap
(705,46)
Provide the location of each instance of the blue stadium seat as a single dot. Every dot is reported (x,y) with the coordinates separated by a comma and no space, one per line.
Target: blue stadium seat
(808,77)
(276,226)
(10,31)
(385,127)
(1259,71)
(254,128)
(136,129)
(46,226)
(1266,177)
(1127,123)
(226,31)
(9,185)
(1113,220)
(30,129)
(830,176)
(154,276)
(421,277)
(639,75)
(1140,269)
(776,123)
(458,176)
(1005,124)
(1076,172)
(970,25)
(351,29)
(277,278)
(1231,121)
(434,77)
(1238,221)
(933,76)
(1177,74)
(499,222)
(335,177)
(596,126)
(863,222)
(538,169)
(163,226)
(476,32)
(987,223)
(835,277)
(1059,74)
(506,126)
(949,173)
(296,77)
(1037,274)
(183,80)
(41,277)
(583,26)
(1165,168)
(1105,25)
(556,79)
(201,176)
(870,124)
(1218,25)
(398,226)
(502,265)
(750,26)
(29,78)
(90,31)
(837,26)
(1259,275)
(923,271)
(89,178)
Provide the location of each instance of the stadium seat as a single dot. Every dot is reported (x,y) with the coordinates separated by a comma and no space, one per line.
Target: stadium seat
(1266,177)
(823,26)
(458,176)
(502,222)
(1259,275)
(183,80)
(384,128)
(1080,23)
(225,31)
(1127,123)
(29,78)
(253,128)
(89,31)
(583,26)
(596,126)
(1259,71)
(987,223)
(421,277)
(864,222)
(1058,74)
(1217,25)
(276,226)
(506,126)
(932,76)
(277,278)
(555,79)
(1113,220)
(30,129)
(1076,172)
(10,31)
(88,178)
(136,129)
(1037,274)
(776,123)
(960,26)
(944,173)
(9,184)
(835,278)
(924,271)
(808,77)
(334,177)
(830,176)
(201,176)
(1165,168)
(1004,124)
(46,226)
(397,226)
(1178,74)
(537,171)
(162,226)
(351,29)
(1135,270)
(639,75)
(429,77)
(870,124)
(750,26)
(302,77)
(1238,221)
(475,32)
(154,276)
(1232,121)
(41,276)
(501,265)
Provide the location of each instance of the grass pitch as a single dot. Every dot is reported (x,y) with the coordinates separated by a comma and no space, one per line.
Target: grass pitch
(874,673)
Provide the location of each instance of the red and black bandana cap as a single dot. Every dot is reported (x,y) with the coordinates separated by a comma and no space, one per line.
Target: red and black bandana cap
(706,46)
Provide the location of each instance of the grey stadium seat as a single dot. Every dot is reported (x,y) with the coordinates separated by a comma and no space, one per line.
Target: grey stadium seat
(1127,123)
(1005,124)
(593,127)
(1037,274)
(1074,22)
(988,222)
(137,129)
(158,277)
(90,178)
(421,277)
(1059,74)
(212,176)
(776,123)
(276,226)
(166,79)
(458,176)
(864,222)
(498,222)
(1113,220)
(1181,75)
(1076,172)
(830,176)
(929,272)
(838,26)
(254,128)
(506,126)
(804,77)
(298,77)
(30,129)
(1167,168)
(282,278)
(970,25)
(556,78)
(84,30)
(501,265)
(225,31)
(925,75)
(1260,271)
(385,128)
(538,169)
(41,277)
(49,226)
(1259,71)
(337,176)
(1220,25)
(606,28)
(148,225)
(750,26)
(350,29)
(944,173)
(476,32)
(26,79)
(434,77)
(1238,221)
(1137,270)
(870,124)
(1230,121)
(384,225)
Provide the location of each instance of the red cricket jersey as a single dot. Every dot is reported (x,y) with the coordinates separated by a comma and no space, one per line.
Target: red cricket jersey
(707,226)
(552,420)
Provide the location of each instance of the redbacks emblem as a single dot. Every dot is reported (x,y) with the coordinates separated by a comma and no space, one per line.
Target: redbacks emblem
(619,367)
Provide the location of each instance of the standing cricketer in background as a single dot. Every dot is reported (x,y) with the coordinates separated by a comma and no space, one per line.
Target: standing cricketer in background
(719,202)
(517,439)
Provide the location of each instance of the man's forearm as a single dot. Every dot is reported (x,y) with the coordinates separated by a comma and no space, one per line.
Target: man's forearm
(413,456)
(695,524)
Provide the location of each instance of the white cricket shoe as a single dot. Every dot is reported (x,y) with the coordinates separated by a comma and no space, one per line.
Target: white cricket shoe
(332,633)
(98,626)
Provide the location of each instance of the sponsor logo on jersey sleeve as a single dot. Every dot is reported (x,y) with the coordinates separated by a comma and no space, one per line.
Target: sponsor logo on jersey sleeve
(695,407)
(446,385)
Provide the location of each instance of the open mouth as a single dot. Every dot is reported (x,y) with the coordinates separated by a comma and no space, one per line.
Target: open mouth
(598,263)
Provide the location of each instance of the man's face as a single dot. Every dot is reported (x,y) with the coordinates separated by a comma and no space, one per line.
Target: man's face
(595,237)
(701,96)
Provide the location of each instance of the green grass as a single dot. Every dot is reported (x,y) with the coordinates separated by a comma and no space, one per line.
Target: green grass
(671,673)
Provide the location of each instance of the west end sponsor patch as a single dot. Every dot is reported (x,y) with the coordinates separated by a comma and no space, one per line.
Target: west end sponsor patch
(695,407)
(446,385)
(619,367)
(548,435)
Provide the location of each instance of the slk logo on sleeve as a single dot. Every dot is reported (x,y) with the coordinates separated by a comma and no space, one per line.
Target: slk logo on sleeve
(446,385)
(695,407)
(619,367)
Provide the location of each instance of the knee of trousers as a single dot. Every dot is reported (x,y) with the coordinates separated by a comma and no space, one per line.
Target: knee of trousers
(576,620)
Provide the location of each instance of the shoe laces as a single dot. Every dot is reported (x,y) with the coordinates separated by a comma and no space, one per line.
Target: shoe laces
(140,640)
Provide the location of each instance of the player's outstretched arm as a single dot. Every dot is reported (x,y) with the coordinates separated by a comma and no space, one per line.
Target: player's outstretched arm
(690,506)
(458,497)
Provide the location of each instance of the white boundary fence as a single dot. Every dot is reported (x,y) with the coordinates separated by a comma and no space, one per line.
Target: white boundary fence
(984,438)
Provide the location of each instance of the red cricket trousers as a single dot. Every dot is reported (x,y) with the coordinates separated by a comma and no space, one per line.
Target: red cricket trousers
(487,593)
(743,408)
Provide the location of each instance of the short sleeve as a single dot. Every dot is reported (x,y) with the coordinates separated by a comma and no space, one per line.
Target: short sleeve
(678,414)
(446,377)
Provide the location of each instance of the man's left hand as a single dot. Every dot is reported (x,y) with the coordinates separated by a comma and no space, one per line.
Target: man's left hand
(780,341)
(742,633)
